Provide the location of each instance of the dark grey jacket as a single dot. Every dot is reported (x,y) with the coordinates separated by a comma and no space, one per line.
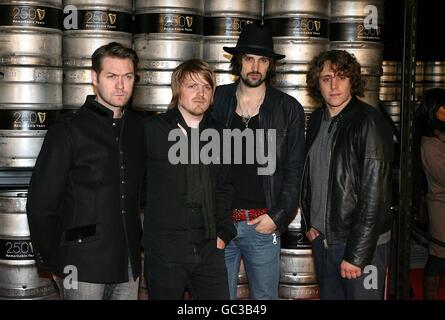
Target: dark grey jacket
(285,114)
(359,190)
(83,200)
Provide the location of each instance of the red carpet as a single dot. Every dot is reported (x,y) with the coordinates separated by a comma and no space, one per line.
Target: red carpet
(416,277)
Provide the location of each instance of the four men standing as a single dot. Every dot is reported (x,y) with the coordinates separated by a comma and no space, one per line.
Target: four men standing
(201,218)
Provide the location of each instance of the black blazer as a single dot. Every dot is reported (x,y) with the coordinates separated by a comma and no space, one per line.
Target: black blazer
(167,227)
(83,200)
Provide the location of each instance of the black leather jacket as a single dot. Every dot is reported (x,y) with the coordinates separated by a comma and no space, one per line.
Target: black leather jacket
(359,191)
(285,114)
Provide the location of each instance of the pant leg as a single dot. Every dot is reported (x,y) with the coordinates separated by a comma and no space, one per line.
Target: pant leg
(232,260)
(124,291)
(261,256)
(208,279)
(79,290)
(165,281)
(327,262)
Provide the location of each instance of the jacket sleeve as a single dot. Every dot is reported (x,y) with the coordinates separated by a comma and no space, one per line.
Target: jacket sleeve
(286,207)
(374,197)
(225,229)
(45,194)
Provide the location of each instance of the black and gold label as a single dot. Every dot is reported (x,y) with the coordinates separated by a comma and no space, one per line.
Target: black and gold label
(169,23)
(299,27)
(27,119)
(31,16)
(228,26)
(16,250)
(100,20)
(355,32)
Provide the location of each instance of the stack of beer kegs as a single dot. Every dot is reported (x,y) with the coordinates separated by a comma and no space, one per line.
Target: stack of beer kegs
(166,33)
(357,27)
(298,280)
(30,77)
(300,30)
(19,278)
(223,23)
(89,24)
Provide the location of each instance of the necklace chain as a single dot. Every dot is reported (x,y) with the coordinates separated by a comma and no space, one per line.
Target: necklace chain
(246,117)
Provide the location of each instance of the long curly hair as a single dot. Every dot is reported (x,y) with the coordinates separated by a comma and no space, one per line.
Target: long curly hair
(344,64)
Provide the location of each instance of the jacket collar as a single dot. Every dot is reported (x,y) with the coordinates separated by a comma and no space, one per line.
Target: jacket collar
(347,109)
(92,104)
(174,116)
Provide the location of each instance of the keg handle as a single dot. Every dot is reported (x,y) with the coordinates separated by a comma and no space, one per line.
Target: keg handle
(22,194)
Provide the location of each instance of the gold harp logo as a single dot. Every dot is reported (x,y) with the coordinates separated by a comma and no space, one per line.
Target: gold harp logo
(189,21)
(42,116)
(41,13)
(112,17)
(317,25)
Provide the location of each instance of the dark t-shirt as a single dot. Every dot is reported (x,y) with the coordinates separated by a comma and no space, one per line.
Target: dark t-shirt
(248,185)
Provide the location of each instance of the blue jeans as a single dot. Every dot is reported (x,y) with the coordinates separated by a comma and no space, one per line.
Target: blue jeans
(369,286)
(261,256)
(101,291)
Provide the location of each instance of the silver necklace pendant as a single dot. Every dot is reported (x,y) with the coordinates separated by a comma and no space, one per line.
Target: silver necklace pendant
(246,120)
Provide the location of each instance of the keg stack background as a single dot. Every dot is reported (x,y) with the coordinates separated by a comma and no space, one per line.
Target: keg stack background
(300,30)
(89,24)
(351,30)
(30,77)
(167,32)
(223,23)
(19,278)
(297,270)
(30,101)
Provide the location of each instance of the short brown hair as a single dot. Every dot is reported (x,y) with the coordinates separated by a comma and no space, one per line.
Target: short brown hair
(113,50)
(343,63)
(189,68)
(236,64)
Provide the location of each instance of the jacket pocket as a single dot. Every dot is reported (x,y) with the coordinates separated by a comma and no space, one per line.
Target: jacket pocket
(80,235)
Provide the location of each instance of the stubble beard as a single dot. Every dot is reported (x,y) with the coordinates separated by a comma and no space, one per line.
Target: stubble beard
(250,84)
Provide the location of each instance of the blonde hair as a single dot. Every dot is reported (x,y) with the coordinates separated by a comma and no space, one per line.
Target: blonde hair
(190,68)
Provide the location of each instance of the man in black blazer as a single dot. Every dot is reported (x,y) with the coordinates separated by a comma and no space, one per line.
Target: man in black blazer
(83,199)
(187,212)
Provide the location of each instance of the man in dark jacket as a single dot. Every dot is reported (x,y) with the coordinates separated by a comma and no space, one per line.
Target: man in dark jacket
(83,200)
(187,214)
(265,204)
(347,182)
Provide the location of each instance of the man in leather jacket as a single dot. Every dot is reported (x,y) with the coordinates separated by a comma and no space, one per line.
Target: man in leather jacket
(263,205)
(83,200)
(346,182)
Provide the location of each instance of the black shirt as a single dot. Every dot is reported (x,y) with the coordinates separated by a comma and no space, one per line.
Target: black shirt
(248,185)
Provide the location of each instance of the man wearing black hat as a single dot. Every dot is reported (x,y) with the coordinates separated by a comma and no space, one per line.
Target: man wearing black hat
(263,205)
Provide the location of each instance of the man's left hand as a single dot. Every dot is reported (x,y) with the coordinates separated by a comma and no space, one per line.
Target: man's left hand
(349,271)
(264,224)
(220,244)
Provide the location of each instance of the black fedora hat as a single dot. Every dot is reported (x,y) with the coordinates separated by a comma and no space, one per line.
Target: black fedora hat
(255,39)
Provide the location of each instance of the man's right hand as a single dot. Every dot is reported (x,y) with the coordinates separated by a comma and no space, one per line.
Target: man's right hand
(312,234)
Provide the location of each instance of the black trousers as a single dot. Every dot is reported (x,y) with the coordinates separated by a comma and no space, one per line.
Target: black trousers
(206,277)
